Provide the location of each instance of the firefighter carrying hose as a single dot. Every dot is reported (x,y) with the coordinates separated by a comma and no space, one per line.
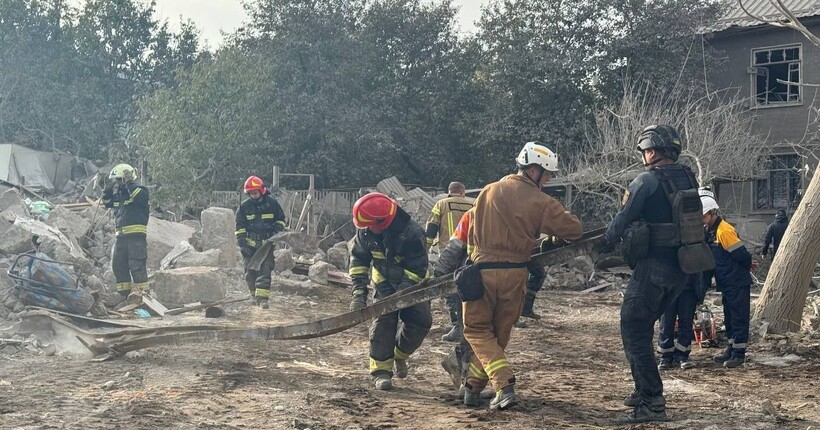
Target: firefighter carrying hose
(259,217)
(389,253)
(129,201)
(510,215)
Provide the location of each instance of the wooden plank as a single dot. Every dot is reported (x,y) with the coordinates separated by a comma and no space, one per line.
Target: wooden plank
(154,305)
(596,288)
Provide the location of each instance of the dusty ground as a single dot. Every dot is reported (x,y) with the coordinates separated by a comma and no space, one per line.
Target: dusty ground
(570,369)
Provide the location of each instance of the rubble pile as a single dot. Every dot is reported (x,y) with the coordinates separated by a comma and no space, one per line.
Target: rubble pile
(580,274)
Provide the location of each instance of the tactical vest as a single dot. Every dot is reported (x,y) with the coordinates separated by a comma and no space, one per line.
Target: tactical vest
(685,232)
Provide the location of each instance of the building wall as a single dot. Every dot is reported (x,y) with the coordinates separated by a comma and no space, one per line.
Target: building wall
(781,123)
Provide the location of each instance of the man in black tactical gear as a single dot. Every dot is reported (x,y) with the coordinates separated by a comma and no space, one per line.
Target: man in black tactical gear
(657,278)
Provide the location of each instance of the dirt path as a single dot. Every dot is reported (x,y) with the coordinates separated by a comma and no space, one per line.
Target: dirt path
(570,369)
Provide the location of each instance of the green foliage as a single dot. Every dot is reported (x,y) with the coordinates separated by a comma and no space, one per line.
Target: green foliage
(350,90)
(69,76)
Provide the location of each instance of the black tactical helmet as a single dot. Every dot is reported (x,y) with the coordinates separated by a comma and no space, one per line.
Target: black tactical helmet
(661,137)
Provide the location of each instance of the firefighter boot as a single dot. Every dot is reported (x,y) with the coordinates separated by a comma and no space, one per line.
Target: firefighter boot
(504,398)
(723,356)
(471,398)
(262,302)
(529,301)
(454,335)
(665,364)
(383,383)
(401,368)
(452,365)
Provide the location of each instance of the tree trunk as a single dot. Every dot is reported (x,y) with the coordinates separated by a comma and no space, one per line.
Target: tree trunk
(783,297)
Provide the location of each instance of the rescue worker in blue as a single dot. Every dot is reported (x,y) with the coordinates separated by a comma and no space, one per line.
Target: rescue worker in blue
(389,251)
(259,217)
(658,278)
(733,280)
(775,233)
(676,349)
(129,201)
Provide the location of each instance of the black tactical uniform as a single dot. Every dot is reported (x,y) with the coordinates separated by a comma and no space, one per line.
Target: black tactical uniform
(391,261)
(657,278)
(257,220)
(130,253)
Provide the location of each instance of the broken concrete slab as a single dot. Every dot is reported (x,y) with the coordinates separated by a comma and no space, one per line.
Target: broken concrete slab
(69,222)
(211,257)
(182,248)
(175,287)
(12,202)
(284,260)
(16,240)
(163,236)
(318,272)
(218,232)
(338,256)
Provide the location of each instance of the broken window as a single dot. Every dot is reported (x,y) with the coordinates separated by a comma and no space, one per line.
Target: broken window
(779,189)
(770,65)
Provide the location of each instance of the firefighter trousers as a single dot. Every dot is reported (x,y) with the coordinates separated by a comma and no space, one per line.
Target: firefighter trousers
(128,260)
(488,324)
(682,310)
(736,314)
(258,281)
(396,335)
(653,286)
(535,281)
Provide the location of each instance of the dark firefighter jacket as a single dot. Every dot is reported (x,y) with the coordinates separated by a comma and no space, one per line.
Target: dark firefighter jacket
(130,205)
(397,256)
(258,220)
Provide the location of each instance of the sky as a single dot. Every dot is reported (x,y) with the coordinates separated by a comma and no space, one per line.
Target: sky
(215,16)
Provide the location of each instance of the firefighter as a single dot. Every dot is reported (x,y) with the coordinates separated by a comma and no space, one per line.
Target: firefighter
(129,200)
(774,233)
(454,256)
(444,217)
(654,241)
(733,279)
(258,218)
(510,215)
(389,253)
(456,252)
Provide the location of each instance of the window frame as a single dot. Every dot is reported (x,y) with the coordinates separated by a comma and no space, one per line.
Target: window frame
(755,104)
(767,179)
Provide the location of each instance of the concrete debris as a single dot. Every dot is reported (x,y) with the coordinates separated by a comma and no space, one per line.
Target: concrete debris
(175,287)
(583,264)
(284,260)
(218,232)
(69,222)
(163,236)
(338,256)
(318,272)
(11,202)
(184,255)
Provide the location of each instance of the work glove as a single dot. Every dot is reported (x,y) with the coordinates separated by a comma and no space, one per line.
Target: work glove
(551,242)
(359,299)
(247,251)
(603,246)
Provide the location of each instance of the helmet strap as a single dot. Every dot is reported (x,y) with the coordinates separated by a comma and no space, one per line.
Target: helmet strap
(537,181)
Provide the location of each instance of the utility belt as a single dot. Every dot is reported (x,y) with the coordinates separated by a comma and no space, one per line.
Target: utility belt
(255,240)
(468,278)
(641,236)
(132,229)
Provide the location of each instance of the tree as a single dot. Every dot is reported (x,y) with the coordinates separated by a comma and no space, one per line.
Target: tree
(717,129)
(783,297)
